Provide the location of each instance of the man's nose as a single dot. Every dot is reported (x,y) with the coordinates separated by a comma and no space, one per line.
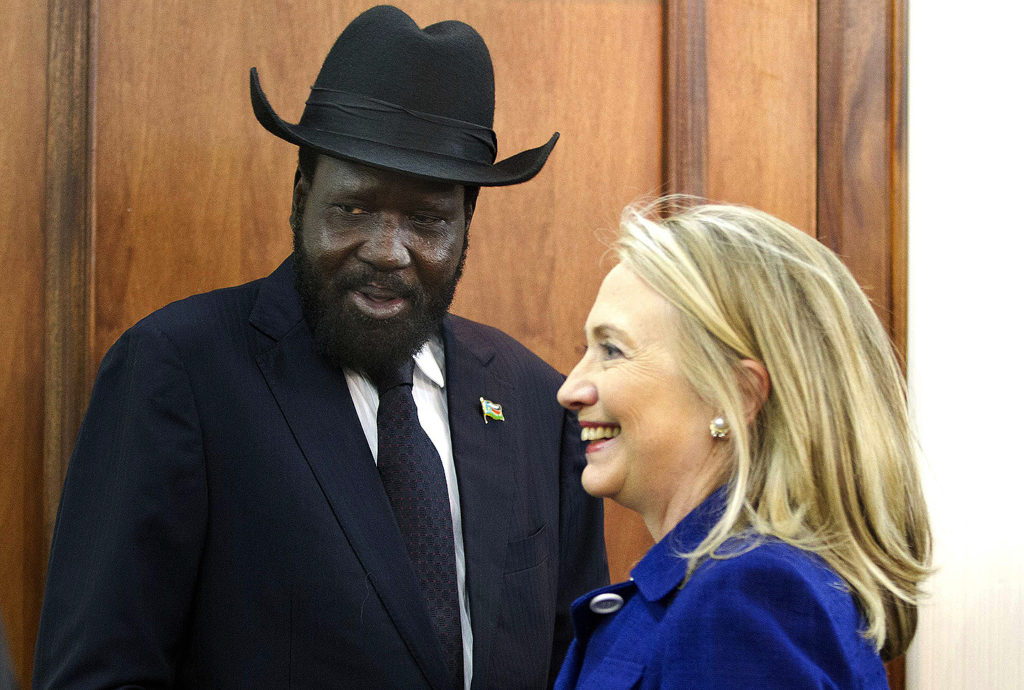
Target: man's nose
(385,246)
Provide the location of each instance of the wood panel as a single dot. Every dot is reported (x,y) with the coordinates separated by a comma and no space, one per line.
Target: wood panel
(741,104)
(804,116)
(592,72)
(67,218)
(190,192)
(740,107)
(685,156)
(23,112)
(761,62)
(861,149)
(898,228)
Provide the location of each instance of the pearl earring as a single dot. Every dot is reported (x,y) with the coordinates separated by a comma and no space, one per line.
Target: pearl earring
(719,427)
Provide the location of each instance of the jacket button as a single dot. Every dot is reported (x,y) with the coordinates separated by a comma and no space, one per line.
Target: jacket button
(606,603)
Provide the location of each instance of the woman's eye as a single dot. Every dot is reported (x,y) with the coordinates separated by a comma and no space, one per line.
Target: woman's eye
(610,351)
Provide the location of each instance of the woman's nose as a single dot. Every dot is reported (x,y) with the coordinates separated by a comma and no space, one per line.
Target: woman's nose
(577,391)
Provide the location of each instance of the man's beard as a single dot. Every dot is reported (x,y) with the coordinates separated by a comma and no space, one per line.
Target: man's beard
(346,337)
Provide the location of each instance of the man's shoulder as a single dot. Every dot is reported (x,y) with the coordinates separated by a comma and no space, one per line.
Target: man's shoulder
(480,333)
(196,310)
(202,319)
(486,340)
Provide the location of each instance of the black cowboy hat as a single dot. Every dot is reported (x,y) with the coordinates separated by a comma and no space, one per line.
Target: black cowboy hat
(415,101)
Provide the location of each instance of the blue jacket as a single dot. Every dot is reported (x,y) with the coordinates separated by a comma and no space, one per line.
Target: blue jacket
(772,617)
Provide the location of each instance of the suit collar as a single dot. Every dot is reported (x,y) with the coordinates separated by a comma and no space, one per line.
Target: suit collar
(277,310)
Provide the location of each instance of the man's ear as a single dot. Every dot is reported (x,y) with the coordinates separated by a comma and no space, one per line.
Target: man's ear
(470,207)
(299,193)
(756,385)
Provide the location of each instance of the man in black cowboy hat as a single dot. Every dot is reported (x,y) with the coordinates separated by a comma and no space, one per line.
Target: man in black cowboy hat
(323,479)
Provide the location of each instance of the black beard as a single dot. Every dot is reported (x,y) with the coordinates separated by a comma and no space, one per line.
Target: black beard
(345,337)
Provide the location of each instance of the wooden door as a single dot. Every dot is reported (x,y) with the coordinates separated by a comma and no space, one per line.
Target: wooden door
(143,176)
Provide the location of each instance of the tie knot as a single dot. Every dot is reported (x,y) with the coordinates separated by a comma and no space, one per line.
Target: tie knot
(389,377)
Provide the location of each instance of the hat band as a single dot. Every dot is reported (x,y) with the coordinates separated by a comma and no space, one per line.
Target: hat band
(388,124)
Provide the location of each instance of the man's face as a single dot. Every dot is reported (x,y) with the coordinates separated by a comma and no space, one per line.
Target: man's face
(377,257)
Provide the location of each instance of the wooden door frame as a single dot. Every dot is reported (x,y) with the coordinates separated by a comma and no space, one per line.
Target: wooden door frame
(68,230)
(861,180)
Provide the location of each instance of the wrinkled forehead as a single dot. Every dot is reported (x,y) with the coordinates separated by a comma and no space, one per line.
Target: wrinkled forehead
(627,303)
(337,175)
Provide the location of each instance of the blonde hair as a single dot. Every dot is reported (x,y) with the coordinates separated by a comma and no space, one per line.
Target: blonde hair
(829,464)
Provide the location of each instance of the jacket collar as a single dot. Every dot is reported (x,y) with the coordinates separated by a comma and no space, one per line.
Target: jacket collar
(277,310)
(663,568)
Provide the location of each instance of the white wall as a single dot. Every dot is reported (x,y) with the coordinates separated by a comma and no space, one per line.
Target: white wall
(965,354)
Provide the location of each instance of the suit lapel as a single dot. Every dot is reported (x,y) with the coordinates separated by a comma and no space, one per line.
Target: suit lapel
(485,454)
(315,401)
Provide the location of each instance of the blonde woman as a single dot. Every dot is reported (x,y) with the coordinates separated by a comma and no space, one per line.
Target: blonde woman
(739,393)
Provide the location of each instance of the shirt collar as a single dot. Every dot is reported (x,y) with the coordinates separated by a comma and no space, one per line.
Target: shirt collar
(429,360)
(662,568)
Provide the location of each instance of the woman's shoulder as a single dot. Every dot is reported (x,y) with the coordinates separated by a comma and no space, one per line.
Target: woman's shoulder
(767,572)
(764,611)
(750,559)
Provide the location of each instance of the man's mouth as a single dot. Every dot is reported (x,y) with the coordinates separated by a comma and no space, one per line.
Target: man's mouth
(378,302)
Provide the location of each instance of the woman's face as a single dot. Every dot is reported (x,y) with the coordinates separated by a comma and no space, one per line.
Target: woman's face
(649,448)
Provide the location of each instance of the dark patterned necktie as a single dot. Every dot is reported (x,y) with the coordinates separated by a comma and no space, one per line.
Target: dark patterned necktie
(414,481)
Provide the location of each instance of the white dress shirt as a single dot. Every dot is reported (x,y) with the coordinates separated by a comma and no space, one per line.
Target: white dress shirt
(432,406)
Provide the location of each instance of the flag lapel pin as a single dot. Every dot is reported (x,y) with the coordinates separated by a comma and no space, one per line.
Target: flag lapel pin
(491,410)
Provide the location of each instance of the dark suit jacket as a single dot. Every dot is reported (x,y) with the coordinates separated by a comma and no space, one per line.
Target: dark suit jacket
(223,524)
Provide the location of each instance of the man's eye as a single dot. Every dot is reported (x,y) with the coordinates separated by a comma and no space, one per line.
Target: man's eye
(610,351)
(423,219)
(351,210)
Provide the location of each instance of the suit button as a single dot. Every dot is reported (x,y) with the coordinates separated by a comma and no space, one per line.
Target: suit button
(606,603)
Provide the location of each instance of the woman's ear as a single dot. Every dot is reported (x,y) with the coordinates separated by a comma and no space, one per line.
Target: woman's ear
(756,385)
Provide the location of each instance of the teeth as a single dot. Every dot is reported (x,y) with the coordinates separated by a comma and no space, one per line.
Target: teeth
(593,433)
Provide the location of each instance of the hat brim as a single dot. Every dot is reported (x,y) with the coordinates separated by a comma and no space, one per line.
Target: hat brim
(513,170)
